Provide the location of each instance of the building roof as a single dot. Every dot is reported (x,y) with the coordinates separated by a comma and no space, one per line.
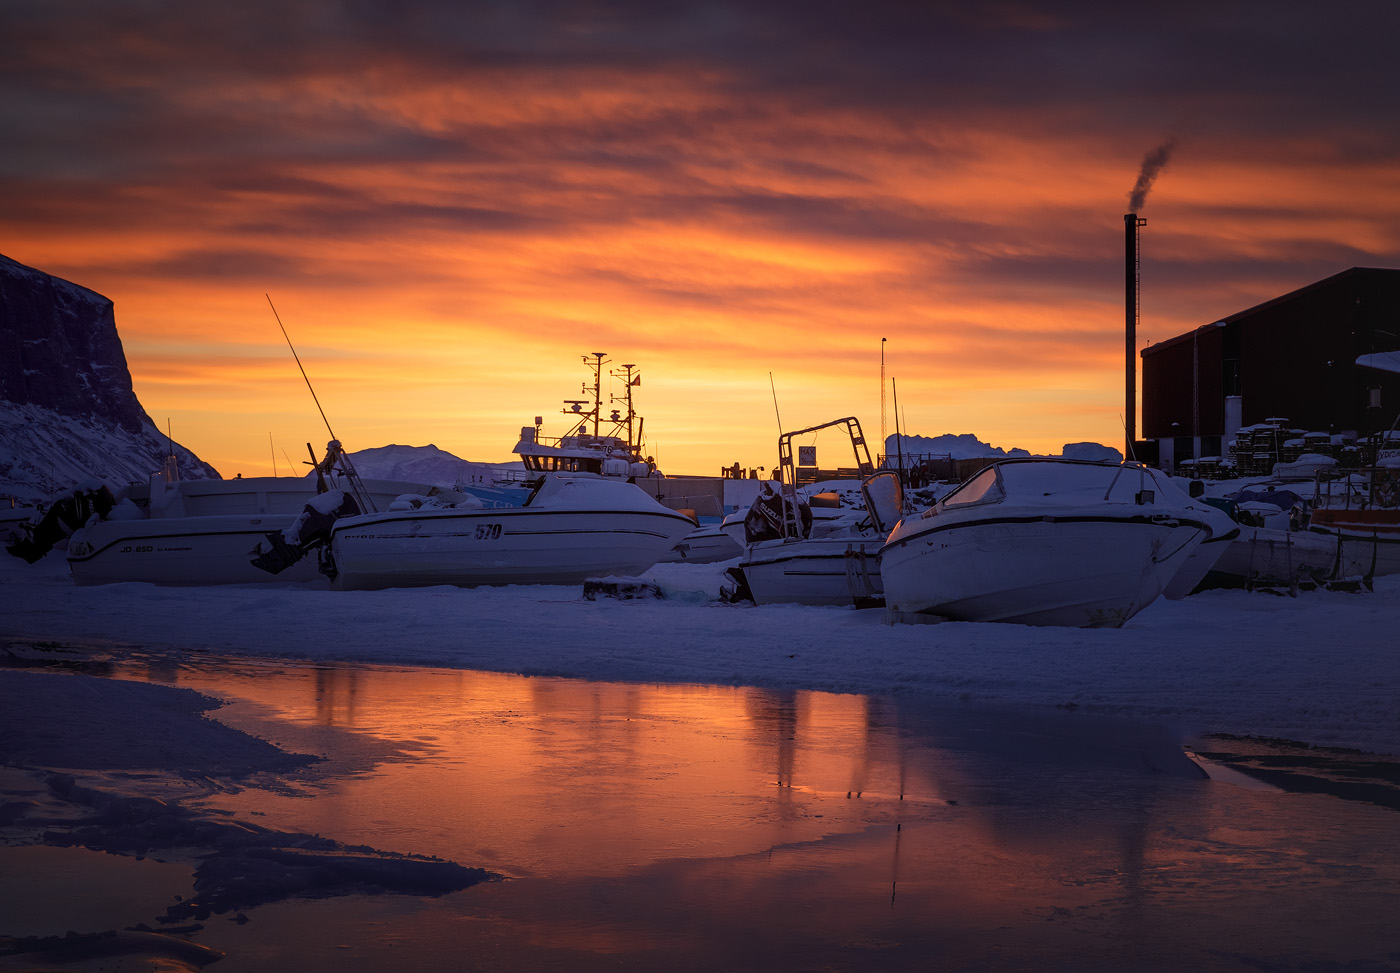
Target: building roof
(1275,302)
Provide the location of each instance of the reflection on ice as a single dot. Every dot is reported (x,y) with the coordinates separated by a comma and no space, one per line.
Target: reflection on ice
(562,777)
(705,827)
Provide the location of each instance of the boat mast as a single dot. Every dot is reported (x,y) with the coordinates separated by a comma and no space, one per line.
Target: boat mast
(634,445)
(597,387)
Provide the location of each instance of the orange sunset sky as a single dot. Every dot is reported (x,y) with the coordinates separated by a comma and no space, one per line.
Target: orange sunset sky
(451,203)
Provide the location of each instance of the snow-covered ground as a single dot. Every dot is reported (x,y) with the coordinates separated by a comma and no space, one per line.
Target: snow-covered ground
(1321,668)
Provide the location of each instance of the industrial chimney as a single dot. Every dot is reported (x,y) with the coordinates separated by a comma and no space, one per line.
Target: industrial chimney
(1130,261)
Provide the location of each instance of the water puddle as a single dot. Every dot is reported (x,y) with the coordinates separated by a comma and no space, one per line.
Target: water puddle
(641,827)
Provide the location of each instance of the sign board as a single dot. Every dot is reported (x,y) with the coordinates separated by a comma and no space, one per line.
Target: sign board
(806,456)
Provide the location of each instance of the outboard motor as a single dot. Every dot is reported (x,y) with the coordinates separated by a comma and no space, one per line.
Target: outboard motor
(764,521)
(311,530)
(63,517)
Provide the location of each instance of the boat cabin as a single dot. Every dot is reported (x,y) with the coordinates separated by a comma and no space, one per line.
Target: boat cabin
(603,455)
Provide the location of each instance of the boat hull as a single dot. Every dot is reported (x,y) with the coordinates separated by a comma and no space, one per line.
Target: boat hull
(179,551)
(503,546)
(1370,539)
(1198,566)
(823,571)
(1271,556)
(703,545)
(1089,573)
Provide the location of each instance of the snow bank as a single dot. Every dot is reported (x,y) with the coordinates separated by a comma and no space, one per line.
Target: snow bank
(1319,668)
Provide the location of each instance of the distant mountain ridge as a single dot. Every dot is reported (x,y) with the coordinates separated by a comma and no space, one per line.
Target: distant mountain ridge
(955,445)
(425,464)
(968,446)
(67,409)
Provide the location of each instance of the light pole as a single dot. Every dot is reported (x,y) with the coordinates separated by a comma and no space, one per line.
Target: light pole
(882,395)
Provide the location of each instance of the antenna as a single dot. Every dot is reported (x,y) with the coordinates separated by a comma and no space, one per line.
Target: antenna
(170,469)
(775,403)
(1132,455)
(273,450)
(597,363)
(898,437)
(303,370)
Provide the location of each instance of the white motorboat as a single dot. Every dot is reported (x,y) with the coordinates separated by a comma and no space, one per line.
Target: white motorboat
(1221,532)
(571,528)
(817,544)
(202,532)
(1043,542)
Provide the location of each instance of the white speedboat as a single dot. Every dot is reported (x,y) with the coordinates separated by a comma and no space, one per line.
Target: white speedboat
(571,528)
(1043,542)
(202,532)
(817,544)
(1222,531)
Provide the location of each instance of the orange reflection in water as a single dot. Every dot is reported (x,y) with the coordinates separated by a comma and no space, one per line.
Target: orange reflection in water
(703,827)
(550,776)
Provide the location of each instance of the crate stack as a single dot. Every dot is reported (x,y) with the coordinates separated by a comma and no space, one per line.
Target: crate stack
(1258,447)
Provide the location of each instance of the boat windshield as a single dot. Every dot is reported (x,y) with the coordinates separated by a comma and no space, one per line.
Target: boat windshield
(985,487)
(552,463)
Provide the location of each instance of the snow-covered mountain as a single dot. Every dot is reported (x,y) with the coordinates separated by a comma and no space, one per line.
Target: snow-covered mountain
(425,464)
(952,445)
(67,409)
(968,446)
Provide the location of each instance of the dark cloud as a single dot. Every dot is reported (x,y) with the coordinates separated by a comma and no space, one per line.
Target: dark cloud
(933,59)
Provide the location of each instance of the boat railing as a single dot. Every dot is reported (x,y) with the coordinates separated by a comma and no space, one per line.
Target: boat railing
(1365,488)
(515,476)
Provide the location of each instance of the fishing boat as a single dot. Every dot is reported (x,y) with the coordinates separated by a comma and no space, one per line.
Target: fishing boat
(203,532)
(817,544)
(610,442)
(606,445)
(1044,542)
(570,528)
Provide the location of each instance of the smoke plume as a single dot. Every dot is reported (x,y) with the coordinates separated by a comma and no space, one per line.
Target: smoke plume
(1152,164)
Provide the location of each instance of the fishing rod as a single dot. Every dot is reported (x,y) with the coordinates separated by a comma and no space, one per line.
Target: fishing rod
(299,366)
(361,494)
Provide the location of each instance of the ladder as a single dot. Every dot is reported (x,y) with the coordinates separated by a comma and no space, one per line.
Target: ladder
(792,524)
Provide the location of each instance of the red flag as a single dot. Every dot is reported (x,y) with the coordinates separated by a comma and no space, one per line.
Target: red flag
(637,380)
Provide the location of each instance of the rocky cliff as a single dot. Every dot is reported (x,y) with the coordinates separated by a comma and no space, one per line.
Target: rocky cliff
(67,409)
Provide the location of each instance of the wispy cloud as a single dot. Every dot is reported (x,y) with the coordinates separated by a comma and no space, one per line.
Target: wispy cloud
(453,201)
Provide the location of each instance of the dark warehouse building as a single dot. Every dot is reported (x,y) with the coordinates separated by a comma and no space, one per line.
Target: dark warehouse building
(1287,364)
